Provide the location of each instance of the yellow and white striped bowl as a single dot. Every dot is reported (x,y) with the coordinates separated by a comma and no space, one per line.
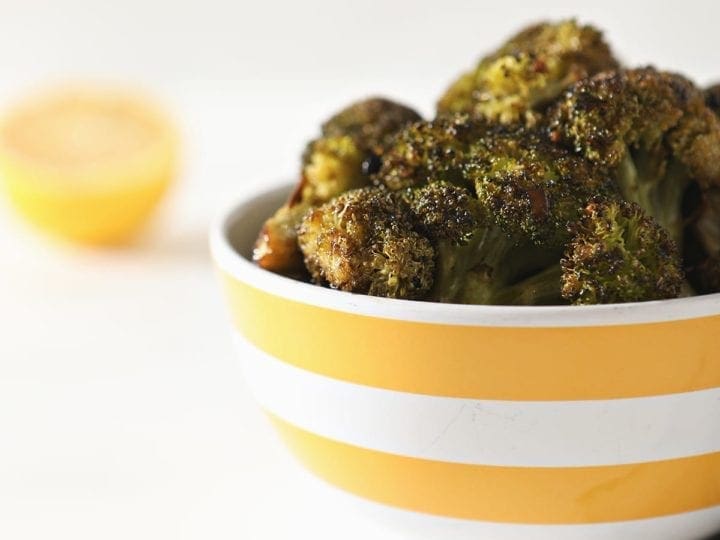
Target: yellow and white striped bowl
(488,422)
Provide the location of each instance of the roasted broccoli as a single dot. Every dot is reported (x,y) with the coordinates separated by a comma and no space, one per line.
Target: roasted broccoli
(451,218)
(342,158)
(702,235)
(528,189)
(365,241)
(371,123)
(616,253)
(531,192)
(476,261)
(531,69)
(276,245)
(651,129)
(619,254)
(550,175)
(418,243)
(426,151)
(513,192)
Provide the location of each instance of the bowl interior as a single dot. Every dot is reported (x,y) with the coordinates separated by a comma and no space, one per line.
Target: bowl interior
(242,224)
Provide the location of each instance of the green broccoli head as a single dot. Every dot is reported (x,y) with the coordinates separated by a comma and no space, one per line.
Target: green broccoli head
(528,190)
(531,188)
(619,254)
(476,262)
(444,212)
(480,259)
(351,147)
(365,241)
(331,166)
(604,116)
(531,69)
(342,158)
(402,244)
(526,185)
(427,243)
(451,217)
(650,129)
(371,123)
(425,151)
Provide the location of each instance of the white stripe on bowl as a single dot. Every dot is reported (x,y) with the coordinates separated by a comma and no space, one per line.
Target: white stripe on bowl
(487,432)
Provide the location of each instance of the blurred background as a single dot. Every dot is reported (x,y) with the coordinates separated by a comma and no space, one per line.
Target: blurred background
(123,412)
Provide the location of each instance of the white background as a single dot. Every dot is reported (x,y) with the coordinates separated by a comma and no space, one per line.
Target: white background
(123,412)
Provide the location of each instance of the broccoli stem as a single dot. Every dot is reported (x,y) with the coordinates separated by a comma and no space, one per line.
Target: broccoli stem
(476,272)
(539,289)
(644,178)
(489,248)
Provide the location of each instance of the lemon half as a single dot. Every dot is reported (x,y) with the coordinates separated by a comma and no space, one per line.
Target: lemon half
(89,164)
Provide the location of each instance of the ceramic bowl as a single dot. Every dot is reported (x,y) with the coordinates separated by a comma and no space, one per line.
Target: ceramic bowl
(567,422)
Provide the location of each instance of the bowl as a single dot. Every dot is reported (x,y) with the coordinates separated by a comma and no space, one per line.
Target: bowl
(498,422)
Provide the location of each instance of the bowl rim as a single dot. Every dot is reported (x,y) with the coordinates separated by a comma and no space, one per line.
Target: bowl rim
(228,260)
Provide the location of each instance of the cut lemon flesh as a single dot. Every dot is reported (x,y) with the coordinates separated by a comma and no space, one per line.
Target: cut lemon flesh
(87,164)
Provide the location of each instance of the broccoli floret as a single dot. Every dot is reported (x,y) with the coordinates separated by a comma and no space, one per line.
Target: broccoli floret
(531,69)
(276,246)
(515,171)
(651,129)
(528,191)
(476,261)
(348,151)
(451,217)
(365,241)
(371,123)
(529,187)
(701,249)
(426,151)
(351,147)
(331,165)
(531,192)
(444,212)
(419,243)
(394,244)
(619,254)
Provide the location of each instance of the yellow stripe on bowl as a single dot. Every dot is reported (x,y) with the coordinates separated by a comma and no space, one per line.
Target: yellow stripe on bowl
(503,363)
(541,495)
